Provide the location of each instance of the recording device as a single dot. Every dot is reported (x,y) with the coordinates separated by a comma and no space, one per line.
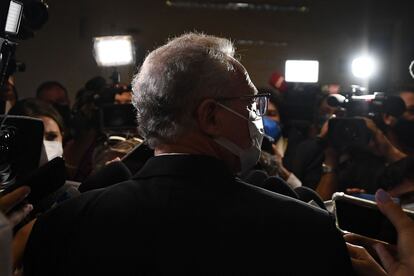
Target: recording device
(117,117)
(361,216)
(10,17)
(350,131)
(18,20)
(21,140)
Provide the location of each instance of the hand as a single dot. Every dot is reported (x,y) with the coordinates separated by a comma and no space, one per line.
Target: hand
(380,144)
(281,170)
(403,263)
(397,260)
(363,263)
(10,200)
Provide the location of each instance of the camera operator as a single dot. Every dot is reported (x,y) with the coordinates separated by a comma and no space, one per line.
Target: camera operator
(400,130)
(324,166)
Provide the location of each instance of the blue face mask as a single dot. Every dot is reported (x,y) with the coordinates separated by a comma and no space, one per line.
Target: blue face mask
(272,128)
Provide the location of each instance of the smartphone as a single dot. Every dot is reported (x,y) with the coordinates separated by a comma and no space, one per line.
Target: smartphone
(362,216)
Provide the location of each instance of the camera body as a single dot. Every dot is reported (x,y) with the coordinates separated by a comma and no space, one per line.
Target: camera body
(351,130)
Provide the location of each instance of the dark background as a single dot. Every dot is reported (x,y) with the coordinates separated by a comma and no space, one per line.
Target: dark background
(266,33)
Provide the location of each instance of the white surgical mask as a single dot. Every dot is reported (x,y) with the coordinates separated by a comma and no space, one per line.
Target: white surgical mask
(248,157)
(51,150)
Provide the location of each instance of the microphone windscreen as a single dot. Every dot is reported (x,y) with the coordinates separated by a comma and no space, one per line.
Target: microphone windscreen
(335,100)
(306,194)
(256,177)
(110,174)
(278,185)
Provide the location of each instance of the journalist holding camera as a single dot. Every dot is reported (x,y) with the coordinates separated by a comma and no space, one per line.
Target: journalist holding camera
(192,169)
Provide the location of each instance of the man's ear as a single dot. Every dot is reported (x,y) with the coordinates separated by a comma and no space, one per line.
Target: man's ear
(206,116)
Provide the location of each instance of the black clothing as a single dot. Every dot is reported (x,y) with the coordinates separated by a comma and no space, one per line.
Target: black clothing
(185,213)
(357,168)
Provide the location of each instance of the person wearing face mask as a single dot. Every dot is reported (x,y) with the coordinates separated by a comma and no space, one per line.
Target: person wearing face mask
(52,123)
(275,144)
(186,210)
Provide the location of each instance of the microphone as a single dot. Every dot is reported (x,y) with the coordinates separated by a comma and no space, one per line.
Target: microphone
(306,194)
(335,100)
(278,185)
(256,177)
(110,174)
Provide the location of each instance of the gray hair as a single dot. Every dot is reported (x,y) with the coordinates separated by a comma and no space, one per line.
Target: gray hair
(174,79)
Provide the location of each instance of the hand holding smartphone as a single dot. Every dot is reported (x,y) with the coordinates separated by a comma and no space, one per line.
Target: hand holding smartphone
(396,260)
(362,217)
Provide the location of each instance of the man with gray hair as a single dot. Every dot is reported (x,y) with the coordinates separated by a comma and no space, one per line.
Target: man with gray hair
(185,211)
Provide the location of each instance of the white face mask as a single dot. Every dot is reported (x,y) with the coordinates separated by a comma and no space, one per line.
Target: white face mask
(248,157)
(51,150)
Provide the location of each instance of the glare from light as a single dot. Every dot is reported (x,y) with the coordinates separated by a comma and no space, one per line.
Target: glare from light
(111,51)
(364,67)
(302,71)
(411,69)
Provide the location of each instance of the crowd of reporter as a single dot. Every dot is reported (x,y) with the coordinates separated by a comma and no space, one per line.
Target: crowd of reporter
(189,207)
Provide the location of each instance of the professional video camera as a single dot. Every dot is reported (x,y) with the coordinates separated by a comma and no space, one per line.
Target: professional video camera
(21,137)
(95,105)
(351,130)
(18,20)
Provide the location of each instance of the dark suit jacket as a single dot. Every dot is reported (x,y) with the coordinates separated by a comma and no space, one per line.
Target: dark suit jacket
(185,213)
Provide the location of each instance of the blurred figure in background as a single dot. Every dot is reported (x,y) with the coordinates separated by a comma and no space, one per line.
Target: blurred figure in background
(8,96)
(85,130)
(400,130)
(275,142)
(56,94)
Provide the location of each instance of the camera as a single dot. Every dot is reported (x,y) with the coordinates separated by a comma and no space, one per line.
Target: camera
(18,20)
(350,130)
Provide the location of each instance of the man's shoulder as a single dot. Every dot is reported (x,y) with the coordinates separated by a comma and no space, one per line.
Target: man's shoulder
(283,207)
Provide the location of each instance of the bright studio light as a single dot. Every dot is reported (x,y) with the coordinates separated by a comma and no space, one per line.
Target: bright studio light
(364,67)
(302,71)
(111,51)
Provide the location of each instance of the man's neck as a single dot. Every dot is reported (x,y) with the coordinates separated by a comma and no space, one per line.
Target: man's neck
(198,144)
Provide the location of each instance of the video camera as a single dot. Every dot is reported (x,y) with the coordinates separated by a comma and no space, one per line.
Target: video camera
(351,130)
(18,20)
(11,13)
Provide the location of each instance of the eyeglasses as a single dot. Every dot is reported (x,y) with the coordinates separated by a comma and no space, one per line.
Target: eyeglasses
(259,104)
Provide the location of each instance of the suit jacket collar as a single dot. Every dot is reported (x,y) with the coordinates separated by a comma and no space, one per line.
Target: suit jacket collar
(184,165)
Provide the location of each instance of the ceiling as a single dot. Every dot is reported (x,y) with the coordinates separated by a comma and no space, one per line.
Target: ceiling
(266,33)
